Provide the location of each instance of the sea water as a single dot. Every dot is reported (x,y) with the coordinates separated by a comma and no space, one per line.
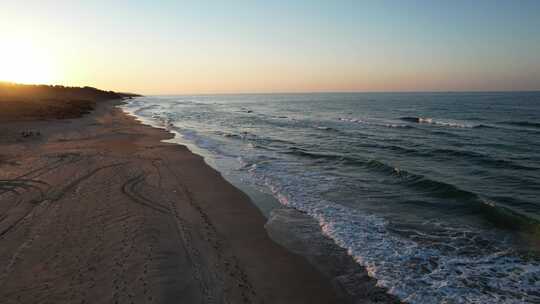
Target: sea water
(437,195)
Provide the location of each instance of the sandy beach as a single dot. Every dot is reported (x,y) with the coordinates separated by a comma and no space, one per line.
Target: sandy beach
(278,152)
(98,210)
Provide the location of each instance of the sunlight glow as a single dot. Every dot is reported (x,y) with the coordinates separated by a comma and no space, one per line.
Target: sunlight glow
(23,62)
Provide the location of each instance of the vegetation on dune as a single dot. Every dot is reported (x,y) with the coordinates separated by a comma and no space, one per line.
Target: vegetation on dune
(10,91)
(31,102)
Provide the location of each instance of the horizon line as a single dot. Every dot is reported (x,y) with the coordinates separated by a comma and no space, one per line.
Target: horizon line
(343,92)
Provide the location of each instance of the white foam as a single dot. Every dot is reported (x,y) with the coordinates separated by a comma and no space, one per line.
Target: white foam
(373,123)
(397,262)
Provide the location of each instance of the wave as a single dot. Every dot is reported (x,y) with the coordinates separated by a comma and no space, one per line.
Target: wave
(379,124)
(140,110)
(424,184)
(313,155)
(498,215)
(326,128)
(465,155)
(183,102)
(417,119)
(533,128)
(435,265)
(482,126)
(467,201)
(431,121)
(527,124)
(478,158)
(251,137)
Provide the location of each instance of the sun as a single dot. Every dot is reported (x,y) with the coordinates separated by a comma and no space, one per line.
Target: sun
(23,62)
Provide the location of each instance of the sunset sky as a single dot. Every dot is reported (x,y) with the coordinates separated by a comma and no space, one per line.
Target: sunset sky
(165,47)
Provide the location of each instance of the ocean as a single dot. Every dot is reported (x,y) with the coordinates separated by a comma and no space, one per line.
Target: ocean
(437,195)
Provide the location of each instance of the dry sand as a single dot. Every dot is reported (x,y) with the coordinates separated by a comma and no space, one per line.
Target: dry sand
(98,210)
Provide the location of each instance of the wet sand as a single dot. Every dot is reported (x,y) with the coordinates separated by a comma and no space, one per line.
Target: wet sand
(98,210)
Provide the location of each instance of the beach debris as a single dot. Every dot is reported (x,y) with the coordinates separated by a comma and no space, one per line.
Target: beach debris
(27,133)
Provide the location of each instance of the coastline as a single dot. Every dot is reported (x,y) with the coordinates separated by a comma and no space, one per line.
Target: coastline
(296,231)
(365,194)
(99,209)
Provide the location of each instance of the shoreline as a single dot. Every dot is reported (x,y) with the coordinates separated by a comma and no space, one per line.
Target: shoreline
(98,209)
(297,232)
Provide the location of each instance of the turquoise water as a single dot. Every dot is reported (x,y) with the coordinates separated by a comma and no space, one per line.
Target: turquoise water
(436,194)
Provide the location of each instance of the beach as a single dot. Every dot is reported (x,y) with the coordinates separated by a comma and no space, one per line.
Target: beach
(98,209)
(353,152)
(114,198)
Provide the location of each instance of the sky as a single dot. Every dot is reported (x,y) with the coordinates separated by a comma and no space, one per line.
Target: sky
(192,47)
